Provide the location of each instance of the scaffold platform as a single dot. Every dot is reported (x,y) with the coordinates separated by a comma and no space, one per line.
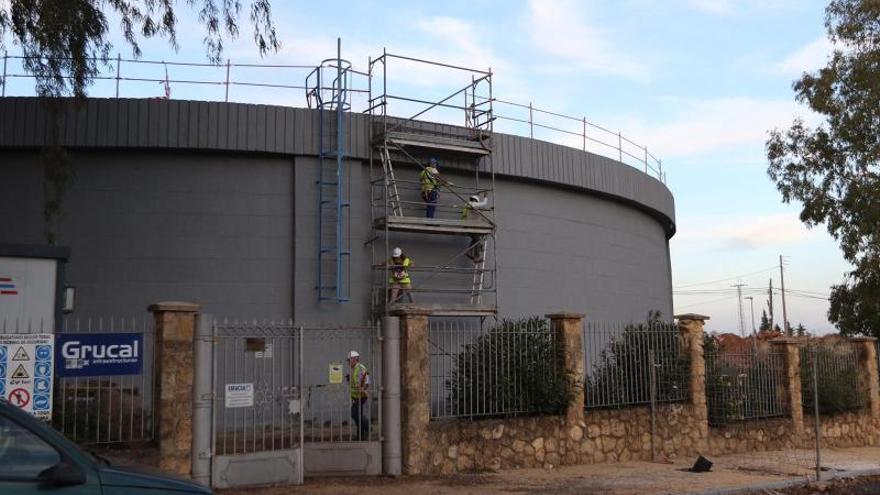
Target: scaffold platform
(434,225)
(445,309)
(462,145)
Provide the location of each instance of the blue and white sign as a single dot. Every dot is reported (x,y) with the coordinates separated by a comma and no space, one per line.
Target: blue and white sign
(26,372)
(43,352)
(99,354)
(43,369)
(42,386)
(41,402)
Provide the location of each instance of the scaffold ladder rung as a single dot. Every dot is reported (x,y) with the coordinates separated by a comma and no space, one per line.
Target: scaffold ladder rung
(479,274)
(388,169)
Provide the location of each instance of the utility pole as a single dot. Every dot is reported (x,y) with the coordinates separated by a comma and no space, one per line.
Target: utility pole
(752,304)
(754,332)
(770,304)
(785,328)
(739,300)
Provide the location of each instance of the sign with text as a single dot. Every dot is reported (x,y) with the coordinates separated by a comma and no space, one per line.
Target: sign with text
(26,372)
(99,354)
(239,395)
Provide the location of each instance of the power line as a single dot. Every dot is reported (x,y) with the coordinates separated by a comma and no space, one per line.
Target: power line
(763,270)
(701,303)
(739,301)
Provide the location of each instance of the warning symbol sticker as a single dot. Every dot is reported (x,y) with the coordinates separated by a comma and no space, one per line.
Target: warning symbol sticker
(20,373)
(26,372)
(20,397)
(21,355)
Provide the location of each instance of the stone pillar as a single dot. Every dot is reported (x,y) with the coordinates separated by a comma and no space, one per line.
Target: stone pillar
(868,380)
(173,391)
(415,372)
(569,329)
(690,327)
(792,380)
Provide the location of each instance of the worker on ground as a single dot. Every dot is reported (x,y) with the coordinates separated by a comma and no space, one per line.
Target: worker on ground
(475,202)
(398,275)
(358,387)
(430,181)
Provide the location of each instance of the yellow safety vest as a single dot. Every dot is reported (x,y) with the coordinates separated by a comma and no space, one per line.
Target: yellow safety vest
(428,179)
(358,374)
(466,211)
(398,272)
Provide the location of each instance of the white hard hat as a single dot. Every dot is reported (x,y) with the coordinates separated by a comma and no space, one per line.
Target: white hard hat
(475,199)
(353,354)
(396,252)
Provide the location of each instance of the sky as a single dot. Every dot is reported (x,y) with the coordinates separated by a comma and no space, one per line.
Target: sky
(699,82)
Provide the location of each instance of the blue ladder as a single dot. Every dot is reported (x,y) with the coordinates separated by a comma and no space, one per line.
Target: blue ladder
(333,239)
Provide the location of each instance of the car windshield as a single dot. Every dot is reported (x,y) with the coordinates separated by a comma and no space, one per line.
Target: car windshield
(22,453)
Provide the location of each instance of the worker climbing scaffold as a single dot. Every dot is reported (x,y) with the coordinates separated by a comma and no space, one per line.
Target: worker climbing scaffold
(410,209)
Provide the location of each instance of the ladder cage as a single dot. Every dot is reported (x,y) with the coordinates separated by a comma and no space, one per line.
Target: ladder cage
(328,91)
(464,282)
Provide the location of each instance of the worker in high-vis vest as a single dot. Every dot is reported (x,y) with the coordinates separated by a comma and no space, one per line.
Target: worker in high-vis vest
(358,388)
(398,275)
(475,202)
(429,181)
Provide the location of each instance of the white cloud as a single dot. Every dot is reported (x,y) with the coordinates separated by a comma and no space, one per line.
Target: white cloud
(712,6)
(563,29)
(741,232)
(712,125)
(809,57)
(754,232)
(742,7)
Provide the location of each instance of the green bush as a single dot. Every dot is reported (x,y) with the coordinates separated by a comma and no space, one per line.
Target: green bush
(512,369)
(742,386)
(837,378)
(622,373)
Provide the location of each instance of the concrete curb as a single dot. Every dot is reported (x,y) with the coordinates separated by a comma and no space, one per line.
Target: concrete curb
(778,485)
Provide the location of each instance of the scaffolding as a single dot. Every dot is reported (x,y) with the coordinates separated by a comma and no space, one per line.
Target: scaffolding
(328,92)
(464,281)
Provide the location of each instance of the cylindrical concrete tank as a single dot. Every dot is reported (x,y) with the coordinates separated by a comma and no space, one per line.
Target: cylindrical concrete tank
(215,203)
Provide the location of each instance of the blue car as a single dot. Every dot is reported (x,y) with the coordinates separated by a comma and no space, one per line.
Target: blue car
(34,458)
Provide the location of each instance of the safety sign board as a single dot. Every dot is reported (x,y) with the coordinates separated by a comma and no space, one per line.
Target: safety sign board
(239,395)
(99,354)
(335,373)
(26,372)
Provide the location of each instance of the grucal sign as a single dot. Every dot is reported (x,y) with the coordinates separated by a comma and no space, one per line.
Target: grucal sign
(99,354)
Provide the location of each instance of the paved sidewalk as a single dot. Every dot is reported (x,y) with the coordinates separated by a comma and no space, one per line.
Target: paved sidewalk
(729,472)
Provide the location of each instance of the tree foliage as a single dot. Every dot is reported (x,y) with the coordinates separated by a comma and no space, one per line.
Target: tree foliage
(65,43)
(832,168)
(621,374)
(836,376)
(511,369)
(765,322)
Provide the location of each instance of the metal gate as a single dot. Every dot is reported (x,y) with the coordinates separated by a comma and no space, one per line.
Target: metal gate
(257,426)
(342,436)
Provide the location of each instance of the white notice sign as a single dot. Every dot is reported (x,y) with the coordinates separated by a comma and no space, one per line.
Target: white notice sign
(26,372)
(239,395)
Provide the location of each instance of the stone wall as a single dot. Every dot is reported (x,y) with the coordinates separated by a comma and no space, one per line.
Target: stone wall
(749,436)
(614,435)
(576,437)
(850,429)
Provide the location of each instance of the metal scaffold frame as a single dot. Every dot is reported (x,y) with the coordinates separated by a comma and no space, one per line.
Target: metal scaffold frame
(406,140)
(332,102)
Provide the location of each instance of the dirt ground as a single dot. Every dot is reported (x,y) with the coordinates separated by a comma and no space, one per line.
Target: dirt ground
(728,472)
(868,485)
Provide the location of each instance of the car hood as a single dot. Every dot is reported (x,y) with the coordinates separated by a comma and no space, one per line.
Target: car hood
(144,477)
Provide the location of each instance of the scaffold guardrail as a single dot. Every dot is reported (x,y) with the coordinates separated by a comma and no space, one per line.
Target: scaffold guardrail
(269,84)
